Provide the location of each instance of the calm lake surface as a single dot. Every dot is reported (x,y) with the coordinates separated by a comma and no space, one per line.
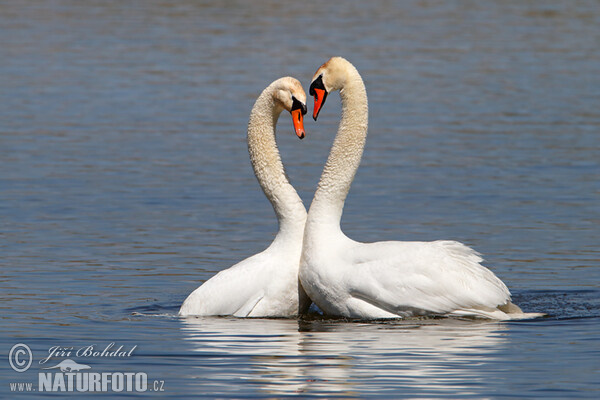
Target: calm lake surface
(125,183)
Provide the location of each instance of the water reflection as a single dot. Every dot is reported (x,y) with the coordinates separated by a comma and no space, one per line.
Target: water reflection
(347,359)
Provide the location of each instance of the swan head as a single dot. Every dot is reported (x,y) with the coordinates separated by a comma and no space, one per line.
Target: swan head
(290,95)
(329,77)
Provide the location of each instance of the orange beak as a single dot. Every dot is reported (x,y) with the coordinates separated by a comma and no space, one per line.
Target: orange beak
(298,120)
(320,95)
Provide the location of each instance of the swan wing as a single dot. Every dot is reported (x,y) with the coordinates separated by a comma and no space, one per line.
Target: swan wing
(234,291)
(246,309)
(407,278)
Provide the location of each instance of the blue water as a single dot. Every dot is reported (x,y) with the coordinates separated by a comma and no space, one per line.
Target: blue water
(125,183)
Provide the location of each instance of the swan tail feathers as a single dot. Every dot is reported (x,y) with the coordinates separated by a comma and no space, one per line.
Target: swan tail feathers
(508,311)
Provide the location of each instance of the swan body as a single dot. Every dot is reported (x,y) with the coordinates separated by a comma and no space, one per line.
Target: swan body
(266,284)
(389,279)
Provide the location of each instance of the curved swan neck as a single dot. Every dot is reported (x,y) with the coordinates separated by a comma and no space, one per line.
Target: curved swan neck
(267,165)
(346,152)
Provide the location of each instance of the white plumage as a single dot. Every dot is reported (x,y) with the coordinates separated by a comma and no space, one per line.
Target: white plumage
(384,279)
(266,284)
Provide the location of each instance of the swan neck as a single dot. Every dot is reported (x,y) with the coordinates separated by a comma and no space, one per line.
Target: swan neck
(346,152)
(267,165)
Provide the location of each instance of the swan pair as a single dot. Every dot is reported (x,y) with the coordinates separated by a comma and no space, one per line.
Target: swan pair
(311,258)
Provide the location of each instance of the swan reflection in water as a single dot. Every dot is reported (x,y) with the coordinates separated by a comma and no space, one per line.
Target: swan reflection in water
(334,357)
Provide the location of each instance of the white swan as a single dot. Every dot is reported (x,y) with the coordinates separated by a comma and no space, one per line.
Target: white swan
(266,284)
(383,279)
